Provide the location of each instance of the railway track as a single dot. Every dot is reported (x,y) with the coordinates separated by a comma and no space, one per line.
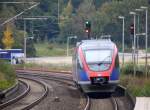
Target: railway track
(23,89)
(114,102)
(35,91)
(65,82)
(63,95)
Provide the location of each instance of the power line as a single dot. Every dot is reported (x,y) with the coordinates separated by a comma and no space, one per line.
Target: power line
(10,19)
(18,2)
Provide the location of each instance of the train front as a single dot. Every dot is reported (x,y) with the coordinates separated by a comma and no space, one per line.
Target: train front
(100,68)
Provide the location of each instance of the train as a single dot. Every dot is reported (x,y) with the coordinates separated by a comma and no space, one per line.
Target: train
(96,66)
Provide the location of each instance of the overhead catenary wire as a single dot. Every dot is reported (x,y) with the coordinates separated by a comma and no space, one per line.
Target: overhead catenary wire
(13,18)
(18,2)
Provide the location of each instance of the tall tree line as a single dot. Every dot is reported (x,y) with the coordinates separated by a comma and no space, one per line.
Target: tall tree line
(103,15)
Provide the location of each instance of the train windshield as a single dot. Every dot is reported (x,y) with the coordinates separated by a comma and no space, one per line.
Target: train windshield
(98,60)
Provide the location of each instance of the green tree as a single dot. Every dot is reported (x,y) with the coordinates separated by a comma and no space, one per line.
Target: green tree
(65,21)
(18,38)
(108,21)
(86,11)
(67,13)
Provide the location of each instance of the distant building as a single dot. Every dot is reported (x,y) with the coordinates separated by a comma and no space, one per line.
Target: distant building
(13,55)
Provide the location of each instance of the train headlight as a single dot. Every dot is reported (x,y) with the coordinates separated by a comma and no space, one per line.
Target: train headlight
(99,74)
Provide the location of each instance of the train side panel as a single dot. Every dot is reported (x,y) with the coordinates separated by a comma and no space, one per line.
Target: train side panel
(79,74)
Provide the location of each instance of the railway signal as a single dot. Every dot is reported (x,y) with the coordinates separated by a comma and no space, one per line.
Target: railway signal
(88,28)
(132,29)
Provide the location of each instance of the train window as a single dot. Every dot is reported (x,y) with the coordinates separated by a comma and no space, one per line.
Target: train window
(98,60)
(97,56)
(79,61)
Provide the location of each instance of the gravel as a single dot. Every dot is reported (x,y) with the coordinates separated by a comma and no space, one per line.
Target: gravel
(36,91)
(21,89)
(61,97)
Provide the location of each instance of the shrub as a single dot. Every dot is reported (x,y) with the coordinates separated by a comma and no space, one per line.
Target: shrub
(137,86)
(50,47)
(7,75)
(128,69)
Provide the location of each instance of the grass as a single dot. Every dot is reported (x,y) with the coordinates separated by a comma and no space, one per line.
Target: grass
(54,67)
(47,49)
(138,85)
(7,75)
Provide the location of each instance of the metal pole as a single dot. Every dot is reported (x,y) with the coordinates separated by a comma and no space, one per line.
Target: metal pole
(67,46)
(123,43)
(138,29)
(25,41)
(134,44)
(134,47)
(58,11)
(123,23)
(146,37)
(146,42)
(138,38)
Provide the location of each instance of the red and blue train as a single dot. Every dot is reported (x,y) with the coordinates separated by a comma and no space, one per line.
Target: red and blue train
(96,65)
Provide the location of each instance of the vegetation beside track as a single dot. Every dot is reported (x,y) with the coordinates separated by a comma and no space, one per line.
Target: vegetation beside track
(48,67)
(47,49)
(138,85)
(7,75)
(51,49)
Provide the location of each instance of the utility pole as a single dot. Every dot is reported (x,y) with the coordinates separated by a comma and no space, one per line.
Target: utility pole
(138,29)
(25,37)
(146,37)
(134,15)
(58,11)
(138,32)
(122,17)
(25,41)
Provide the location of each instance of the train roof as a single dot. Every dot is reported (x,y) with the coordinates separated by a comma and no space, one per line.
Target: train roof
(96,44)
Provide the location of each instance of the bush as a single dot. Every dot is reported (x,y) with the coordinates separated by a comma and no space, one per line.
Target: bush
(31,51)
(50,47)
(7,75)
(128,69)
(137,86)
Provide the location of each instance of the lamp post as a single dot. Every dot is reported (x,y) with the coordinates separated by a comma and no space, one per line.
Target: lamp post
(71,37)
(138,32)
(25,37)
(134,15)
(25,41)
(146,36)
(122,17)
(58,11)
